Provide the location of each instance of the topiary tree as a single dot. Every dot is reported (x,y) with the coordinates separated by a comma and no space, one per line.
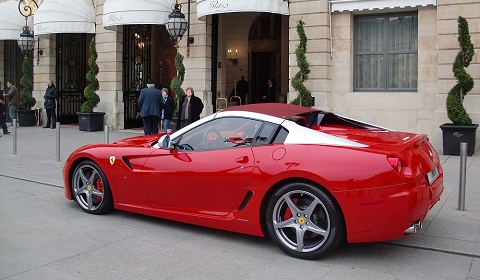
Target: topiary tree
(177,82)
(27,101)
(455,110)
(91,97)
(304,97)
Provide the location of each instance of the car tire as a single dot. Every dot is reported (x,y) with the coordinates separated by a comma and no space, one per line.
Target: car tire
(302,211)
(90,188)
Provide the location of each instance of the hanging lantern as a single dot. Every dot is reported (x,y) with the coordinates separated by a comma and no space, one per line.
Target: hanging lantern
(26,41)
(176,24)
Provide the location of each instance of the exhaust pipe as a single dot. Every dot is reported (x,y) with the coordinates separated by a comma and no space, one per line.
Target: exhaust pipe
(414,227)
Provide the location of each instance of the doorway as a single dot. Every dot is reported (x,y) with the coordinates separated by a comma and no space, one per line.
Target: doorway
(264,46)
(71,69)
(148,53)
(263,68)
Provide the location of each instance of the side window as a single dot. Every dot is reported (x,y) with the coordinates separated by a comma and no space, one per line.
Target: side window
(271,133)
(223,133)
(281,136)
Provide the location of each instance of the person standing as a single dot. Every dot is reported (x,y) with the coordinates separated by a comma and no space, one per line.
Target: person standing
(14,100)
(189,109)
(49,104)
(150,102)
(242,90)
(269,95)
(168,106)
(3,122)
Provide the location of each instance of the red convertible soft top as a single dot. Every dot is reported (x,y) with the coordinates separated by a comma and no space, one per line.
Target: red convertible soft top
(280,110)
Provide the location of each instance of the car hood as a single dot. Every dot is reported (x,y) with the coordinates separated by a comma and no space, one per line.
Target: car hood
(139,141)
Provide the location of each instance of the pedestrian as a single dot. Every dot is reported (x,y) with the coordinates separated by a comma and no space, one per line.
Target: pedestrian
(270,93)
(189,109)
(14,100)
(150,104)
(242,90)
(49,104)
(168,106)
(3,120)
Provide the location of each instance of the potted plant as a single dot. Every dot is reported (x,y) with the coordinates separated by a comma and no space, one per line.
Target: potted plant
(88,120)
(461,129)
(26,116)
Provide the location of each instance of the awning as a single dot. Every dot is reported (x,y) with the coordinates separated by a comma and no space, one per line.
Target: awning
(64,16)
(128,12)
(359,5)
(11,21)
(209,7)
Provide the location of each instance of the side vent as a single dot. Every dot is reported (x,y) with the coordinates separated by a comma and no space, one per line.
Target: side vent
(246,199)
(127,162)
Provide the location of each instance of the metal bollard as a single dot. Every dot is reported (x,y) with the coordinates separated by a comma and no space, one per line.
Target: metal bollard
(463,176)
(106,138)
(57,130)
(14,130)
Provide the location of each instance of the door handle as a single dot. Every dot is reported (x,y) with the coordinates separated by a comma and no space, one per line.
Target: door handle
(243,159)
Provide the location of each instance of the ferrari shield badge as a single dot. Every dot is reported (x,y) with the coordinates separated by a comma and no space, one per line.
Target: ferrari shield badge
(112,160)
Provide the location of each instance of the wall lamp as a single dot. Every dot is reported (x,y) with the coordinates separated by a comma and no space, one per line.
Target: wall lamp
(177,25)
(26,42)
(39,51)
(231,59)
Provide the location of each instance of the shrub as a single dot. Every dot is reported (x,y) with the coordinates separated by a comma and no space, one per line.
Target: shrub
(91,97)
(178,80)
(27,101)
(455,110)
(304,97)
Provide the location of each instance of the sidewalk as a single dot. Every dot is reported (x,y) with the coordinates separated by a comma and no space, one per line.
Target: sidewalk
(446,229)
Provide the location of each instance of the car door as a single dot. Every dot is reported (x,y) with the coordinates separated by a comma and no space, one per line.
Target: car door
(207,172)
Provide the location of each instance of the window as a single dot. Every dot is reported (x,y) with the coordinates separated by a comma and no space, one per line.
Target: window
(386,52)
(223,133)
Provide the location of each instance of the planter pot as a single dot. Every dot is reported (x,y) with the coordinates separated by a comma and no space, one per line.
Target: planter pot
(26,118)
(453,135)
(90,121)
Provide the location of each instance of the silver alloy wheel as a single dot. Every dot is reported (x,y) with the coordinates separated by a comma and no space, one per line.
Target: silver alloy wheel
(88,187)
(301,221)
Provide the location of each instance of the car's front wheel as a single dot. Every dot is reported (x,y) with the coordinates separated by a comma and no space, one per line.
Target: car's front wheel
(90,188)
(304,221)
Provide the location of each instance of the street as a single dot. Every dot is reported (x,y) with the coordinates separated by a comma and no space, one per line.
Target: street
(45,236)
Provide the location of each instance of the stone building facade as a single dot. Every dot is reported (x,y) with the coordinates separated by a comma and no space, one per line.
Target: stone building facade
(263,45)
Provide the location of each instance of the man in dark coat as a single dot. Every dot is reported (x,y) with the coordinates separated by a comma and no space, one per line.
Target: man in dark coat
(242,90)
(168,106)
(189,109)
(150,103)
(3,122)
(49,104)
(270,92)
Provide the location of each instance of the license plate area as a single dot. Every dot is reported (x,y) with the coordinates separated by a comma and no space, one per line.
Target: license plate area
(432,175)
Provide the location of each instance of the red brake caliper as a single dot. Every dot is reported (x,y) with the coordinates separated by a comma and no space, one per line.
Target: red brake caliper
(99,187)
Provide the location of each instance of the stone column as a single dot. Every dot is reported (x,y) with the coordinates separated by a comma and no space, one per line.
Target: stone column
(198,66)
(109,44)
(317,28)
(44,67)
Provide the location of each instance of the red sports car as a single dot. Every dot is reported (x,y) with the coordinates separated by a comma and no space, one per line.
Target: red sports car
(308,178)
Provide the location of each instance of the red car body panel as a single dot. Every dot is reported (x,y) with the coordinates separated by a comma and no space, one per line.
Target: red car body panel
(207,188)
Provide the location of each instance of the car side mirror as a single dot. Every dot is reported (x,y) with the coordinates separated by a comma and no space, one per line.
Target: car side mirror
(165,142)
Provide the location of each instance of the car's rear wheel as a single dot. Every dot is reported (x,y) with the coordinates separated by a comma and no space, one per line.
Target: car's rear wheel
(90,188)
(304,221)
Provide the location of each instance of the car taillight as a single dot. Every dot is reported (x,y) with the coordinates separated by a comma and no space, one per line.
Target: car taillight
(396,163)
